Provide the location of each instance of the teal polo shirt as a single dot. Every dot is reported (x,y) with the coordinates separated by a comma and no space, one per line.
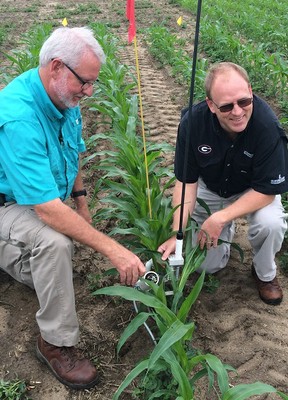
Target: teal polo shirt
(39,144)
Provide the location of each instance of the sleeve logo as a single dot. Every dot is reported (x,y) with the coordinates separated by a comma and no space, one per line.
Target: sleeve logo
(278,181)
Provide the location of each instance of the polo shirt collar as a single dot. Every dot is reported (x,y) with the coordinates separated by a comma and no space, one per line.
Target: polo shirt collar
(43,99)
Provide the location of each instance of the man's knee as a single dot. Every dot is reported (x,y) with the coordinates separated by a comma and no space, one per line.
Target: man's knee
(55,241)
(268,225)
(216,259)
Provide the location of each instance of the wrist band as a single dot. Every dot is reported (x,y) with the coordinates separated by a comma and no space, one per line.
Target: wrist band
(79,193)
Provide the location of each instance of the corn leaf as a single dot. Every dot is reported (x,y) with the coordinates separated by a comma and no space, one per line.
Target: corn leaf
(191,298)
(160,393)
(135,295)
(222,377)
(139,320)
(130,377)
(179,375)
(242,392)
(192,263)
(176,332)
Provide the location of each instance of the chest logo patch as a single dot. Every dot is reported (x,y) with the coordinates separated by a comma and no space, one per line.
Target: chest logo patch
(204,149)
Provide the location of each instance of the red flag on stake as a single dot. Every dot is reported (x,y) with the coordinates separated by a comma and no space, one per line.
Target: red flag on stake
(130,13)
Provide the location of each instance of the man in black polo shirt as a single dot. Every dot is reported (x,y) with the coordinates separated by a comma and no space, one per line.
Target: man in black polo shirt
(238,165)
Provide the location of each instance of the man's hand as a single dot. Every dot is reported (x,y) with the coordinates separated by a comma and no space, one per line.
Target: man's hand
(210,231)
(62,218)
(167,248)
(128,265)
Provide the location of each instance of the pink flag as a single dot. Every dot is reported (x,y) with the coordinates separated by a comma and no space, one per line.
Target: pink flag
(130,13)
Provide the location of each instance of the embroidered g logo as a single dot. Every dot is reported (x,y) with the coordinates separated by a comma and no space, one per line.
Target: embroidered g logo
(204,149)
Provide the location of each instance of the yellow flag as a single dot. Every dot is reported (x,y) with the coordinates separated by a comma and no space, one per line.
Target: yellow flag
(65,22)
(179,21)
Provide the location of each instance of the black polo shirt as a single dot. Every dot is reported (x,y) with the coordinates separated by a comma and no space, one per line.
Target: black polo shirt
(257,158)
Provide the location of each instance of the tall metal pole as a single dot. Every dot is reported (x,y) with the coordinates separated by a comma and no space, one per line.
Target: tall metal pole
(193,73)
(176,260)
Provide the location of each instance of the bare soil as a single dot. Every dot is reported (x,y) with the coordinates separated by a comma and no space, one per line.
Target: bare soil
(232,322)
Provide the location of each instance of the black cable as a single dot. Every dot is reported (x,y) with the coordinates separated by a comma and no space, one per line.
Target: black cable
(193,73)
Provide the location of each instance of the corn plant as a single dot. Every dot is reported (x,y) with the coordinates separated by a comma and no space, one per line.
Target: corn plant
(250,36)
(261,21)
(167,48)
(127,197)
(129,178)
(26,57)
(124,180)
(173,357)
(111,98)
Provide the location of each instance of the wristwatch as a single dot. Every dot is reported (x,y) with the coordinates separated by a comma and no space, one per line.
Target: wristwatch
(79,193)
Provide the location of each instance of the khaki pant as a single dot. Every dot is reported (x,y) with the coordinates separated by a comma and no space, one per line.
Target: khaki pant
(36,255)
(266,231)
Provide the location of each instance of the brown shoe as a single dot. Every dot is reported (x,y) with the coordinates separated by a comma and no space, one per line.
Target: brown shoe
(270,292)
(67,364)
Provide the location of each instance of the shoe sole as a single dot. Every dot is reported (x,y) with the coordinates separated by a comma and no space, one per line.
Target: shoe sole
(76,386)
(275,302)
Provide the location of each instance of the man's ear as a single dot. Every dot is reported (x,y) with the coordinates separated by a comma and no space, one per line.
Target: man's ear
(55,67)
(210,104)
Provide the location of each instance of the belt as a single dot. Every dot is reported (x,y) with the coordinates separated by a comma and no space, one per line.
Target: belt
(2,199)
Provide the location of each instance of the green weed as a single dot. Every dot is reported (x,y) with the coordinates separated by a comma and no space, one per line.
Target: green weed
(87,8)
(211,283)
(3,34)
(96,281)
(13,390)
(283,261)
(143,4)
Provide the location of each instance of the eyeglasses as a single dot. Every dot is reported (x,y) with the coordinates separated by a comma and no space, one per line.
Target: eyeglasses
(85,85)
(229,107)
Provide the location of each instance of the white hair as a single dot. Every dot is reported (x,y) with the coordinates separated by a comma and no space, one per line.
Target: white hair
(69,44)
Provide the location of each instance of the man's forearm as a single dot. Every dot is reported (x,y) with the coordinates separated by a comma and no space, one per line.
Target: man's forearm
(65,220)
(249,202)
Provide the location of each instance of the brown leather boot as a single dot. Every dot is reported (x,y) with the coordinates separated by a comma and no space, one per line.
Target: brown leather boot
(270,292)
(68,365)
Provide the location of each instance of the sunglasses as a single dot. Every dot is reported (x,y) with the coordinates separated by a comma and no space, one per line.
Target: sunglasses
(85,85)
(229,107)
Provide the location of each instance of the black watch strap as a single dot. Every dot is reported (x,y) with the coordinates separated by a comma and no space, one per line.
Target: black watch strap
(79,193)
